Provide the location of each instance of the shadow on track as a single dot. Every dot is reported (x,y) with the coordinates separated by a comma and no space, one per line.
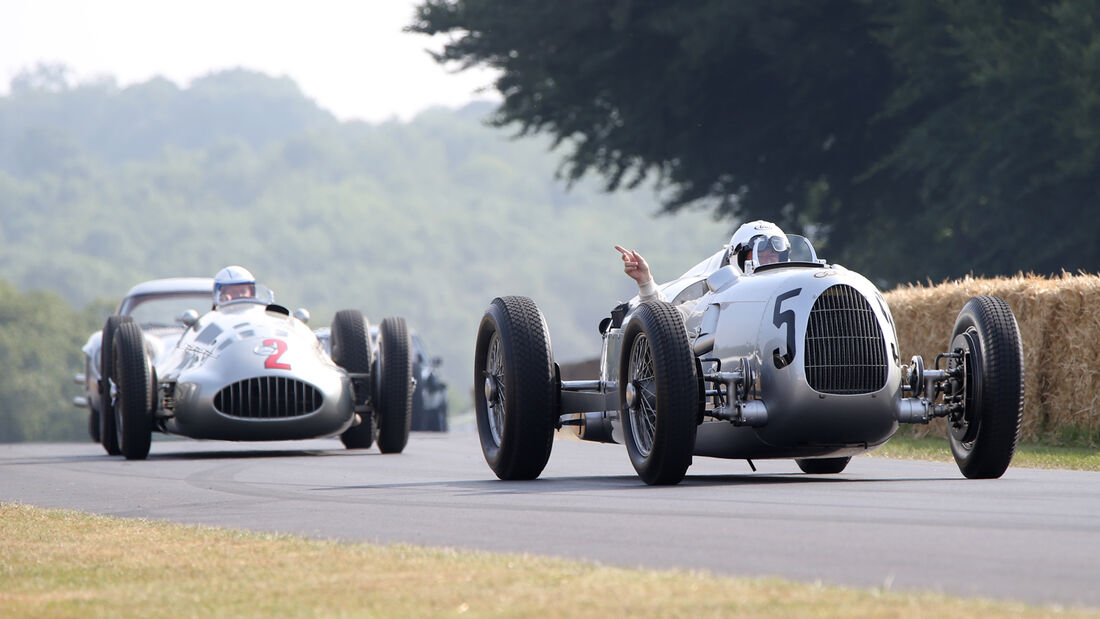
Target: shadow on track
(552,485)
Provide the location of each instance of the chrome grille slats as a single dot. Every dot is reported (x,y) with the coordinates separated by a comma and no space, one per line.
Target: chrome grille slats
(845,348)
(268,397)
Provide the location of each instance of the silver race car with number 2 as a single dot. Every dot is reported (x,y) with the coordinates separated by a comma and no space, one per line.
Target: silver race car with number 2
(246,371)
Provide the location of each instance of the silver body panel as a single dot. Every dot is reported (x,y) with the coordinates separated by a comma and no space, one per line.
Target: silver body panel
(235,344)
(734,316)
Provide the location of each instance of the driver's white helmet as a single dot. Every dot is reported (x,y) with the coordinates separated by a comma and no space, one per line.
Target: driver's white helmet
(741,243)
(233,282)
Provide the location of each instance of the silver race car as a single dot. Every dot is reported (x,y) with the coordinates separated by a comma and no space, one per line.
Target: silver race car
(794,359)
(245,371)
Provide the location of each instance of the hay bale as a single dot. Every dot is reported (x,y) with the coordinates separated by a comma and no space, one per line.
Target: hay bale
(1060,334)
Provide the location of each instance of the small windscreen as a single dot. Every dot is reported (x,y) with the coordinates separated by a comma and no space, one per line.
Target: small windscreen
(163,310)
(801,249)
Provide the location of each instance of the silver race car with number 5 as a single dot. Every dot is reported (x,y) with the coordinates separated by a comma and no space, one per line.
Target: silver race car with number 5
(245,371)
(793,359)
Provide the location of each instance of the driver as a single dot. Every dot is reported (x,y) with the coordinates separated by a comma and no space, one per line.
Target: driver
(770,250)
(233,283)
(754,244)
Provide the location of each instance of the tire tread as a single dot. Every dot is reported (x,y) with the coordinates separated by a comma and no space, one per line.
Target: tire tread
(134,380)
(351,350)
(530,384)
(395,397)
(677,392)
(1002,390)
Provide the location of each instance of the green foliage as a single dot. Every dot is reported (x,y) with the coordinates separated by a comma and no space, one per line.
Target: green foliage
(428,219)
(40,340)
(915,139)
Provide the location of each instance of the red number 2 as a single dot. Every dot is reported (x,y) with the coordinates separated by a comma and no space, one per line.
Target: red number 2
(272,362)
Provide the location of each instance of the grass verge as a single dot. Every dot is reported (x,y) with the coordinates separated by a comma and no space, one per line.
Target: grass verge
(59,563)
(1028,455)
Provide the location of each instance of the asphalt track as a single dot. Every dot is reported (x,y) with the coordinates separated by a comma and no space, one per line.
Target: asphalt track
(1032,535)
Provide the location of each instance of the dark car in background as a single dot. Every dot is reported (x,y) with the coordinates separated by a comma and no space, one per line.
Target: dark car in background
(429,406)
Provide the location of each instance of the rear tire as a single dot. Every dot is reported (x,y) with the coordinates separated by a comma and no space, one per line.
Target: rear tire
(108,433)
(658,394)
(394,397)
(983,439)
(822,466)
(515,388)
(351,350)
(134,405)
(93,425)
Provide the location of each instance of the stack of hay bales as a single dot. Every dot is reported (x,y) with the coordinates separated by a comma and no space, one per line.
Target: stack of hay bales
(1059,322)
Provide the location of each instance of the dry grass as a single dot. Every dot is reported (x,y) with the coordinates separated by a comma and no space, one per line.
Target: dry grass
(1028,455)
(66,564)
(1059,322)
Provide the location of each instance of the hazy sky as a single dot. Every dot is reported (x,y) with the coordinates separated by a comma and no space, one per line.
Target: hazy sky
(351,57)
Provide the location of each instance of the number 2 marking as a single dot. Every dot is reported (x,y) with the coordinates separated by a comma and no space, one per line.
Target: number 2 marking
(779,319)
(272,362)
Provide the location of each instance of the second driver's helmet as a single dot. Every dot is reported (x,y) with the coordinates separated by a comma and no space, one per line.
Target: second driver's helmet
(233,283)
(745,238)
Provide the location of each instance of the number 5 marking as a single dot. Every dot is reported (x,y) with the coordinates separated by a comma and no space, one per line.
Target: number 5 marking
(272,362)
(780,318)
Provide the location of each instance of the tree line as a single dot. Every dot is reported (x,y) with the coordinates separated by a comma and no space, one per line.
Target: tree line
(911,138)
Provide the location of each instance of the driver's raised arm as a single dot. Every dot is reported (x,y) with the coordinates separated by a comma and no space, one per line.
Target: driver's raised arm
(637,268)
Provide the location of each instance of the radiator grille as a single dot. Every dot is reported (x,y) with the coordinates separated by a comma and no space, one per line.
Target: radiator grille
(845,350)
(268,397)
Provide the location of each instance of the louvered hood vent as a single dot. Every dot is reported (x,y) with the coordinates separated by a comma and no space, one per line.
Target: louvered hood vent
(268,397)
(845,350)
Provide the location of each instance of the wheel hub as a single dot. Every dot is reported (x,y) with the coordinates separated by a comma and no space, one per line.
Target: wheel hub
(964,426)
(490,389)
(631,396)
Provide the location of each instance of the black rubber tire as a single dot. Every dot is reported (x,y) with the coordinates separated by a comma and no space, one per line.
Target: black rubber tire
(822,466)
(992,325)
(93,425)
(134,405)
(517,446)
(351,350)
(673,394)
(394,394)
(108,433)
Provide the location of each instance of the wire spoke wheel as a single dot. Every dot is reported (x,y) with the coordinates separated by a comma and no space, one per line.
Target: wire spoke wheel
(643,410)
(658,393)
(515,388)
(495,390)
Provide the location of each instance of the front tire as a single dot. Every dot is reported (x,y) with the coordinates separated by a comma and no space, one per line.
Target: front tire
(351,350)
(134,405)
(394,397)
(822,466)
(983,437)
(515,388)
(108,432)
(658,394)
